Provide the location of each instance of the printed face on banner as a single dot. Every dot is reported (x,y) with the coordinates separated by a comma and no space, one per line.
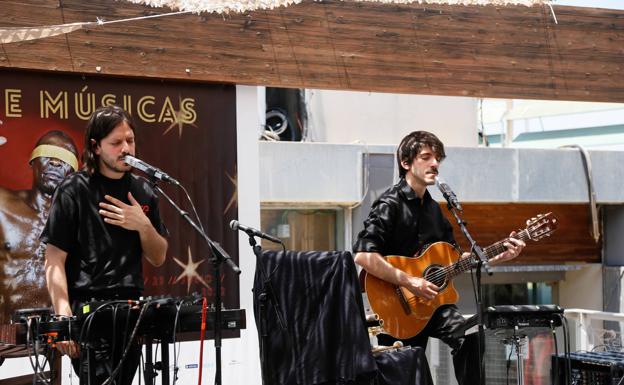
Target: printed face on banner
(189,131)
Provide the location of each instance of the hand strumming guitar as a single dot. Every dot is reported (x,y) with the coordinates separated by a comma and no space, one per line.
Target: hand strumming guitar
(420,287)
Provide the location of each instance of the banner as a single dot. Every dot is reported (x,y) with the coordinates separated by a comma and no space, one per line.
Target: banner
(187,130)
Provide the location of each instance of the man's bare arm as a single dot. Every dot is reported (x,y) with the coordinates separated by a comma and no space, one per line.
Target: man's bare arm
(154,245)
(376,264)
(56,280)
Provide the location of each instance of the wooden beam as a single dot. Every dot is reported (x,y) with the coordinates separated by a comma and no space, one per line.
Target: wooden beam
(481,51)
(571,242)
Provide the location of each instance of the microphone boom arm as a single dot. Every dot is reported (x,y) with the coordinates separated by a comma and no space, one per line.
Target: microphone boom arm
(217,250)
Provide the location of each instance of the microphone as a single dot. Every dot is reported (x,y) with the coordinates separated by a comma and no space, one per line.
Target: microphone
(149,169)
(448,194)
(235,225)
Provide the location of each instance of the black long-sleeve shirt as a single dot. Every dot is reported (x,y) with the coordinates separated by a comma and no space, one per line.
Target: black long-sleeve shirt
(401,223)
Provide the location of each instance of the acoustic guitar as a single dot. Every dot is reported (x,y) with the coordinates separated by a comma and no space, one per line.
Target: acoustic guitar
(404,314)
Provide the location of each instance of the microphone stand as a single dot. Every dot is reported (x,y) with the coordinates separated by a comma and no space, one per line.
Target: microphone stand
(481,263)
(263,297)
(218,256)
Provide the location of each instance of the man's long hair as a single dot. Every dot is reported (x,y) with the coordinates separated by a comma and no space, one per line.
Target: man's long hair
(411,145)
(100,124)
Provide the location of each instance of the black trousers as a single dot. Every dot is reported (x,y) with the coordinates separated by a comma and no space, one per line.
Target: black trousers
(103,346)
(444,321)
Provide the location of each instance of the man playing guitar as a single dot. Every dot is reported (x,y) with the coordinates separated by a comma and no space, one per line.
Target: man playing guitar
(402,221)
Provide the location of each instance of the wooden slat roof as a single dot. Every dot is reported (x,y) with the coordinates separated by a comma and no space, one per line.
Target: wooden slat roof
(482,51)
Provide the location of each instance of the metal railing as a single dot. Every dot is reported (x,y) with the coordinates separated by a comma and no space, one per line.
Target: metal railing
(587,334)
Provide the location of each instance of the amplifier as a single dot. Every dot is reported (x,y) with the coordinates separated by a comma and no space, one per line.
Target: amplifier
(510,316)
(507,317)
(589,368)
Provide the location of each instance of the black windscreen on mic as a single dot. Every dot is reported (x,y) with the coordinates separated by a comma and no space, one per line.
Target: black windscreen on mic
(448,194)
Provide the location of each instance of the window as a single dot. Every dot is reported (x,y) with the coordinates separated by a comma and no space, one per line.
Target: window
(529,293)
(304,229)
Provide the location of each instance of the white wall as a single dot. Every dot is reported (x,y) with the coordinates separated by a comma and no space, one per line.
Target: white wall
(378,118)
(582,289)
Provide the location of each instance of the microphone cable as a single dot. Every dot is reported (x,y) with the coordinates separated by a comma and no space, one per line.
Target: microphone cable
(129,345)
(125,335)
(188,198)
(176,353)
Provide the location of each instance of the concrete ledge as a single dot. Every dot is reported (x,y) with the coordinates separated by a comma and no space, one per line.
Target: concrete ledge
(319,172)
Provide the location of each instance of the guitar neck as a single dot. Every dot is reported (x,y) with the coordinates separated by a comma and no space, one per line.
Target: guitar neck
(498,247)
(464,264)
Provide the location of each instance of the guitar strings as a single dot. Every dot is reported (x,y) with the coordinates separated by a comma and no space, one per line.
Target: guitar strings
(439,277)
(462,265)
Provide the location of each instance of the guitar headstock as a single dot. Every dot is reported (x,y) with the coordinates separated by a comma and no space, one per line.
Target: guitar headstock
(541,226)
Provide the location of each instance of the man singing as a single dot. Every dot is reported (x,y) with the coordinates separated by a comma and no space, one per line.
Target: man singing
(402,221)
(103,222)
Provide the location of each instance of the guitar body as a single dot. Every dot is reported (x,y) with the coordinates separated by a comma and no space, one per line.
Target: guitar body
(404,314)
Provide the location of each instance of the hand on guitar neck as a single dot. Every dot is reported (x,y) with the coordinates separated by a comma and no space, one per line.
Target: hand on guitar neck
(514,248)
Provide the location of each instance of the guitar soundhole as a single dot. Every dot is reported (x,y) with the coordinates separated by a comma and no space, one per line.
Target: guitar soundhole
(436,275)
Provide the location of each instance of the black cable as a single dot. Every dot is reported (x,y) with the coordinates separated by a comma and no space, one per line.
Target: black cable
(566,352)
(509,362)
(89,319)
(125,335)
(176,354)
(38,348)
(28,337)
(556,360)
(155,358)
(86,329)
(130,342)
(113,340)
(142,367)
(566,357)
(199,222)
(29,340)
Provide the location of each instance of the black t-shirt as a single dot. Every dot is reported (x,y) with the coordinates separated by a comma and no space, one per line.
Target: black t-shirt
(401,223)
(103,260)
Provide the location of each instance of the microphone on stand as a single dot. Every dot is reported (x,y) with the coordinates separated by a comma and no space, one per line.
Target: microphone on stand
(149,169)
(448,194)
(235,225)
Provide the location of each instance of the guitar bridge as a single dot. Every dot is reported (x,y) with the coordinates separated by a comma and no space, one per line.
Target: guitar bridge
(402,300)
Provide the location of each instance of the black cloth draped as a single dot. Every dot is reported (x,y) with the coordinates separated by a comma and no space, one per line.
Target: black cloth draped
(324,339)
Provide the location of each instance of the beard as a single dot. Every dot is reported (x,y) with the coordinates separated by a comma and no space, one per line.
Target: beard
(115,165)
